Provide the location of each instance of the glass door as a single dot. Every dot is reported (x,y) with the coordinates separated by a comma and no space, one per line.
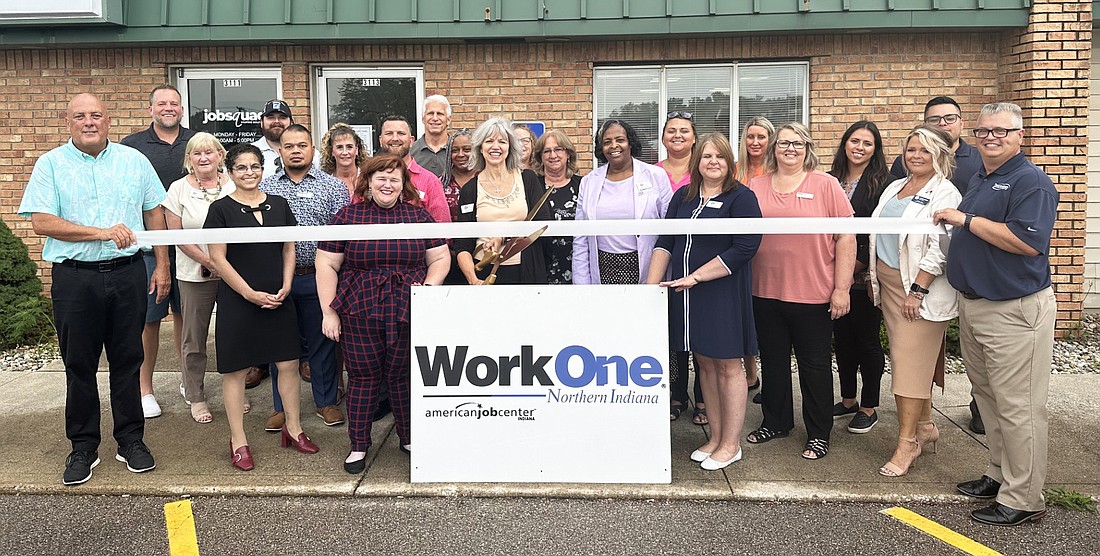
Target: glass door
(362,97)
(227,102)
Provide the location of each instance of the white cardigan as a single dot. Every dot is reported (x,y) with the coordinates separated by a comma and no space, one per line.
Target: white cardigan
(925,252)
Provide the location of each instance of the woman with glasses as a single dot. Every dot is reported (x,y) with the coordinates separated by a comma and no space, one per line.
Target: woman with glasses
(710,306)
(526,140)
(908,282)
(860,166)
(800,285)
(555,162)
(342,154)
(678,137)
(500,192)
(256,320)
(186,207)
(623,188)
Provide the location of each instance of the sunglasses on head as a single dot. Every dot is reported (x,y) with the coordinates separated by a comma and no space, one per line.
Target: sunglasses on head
(681,115)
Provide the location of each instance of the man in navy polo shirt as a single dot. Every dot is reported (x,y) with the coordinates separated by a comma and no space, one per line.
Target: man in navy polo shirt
(999,262)
(945,113)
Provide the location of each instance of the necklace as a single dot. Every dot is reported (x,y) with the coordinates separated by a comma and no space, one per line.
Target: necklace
(500,199)
(210,195)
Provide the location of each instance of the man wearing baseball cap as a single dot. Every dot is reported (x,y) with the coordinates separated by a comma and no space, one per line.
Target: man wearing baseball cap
(276,117)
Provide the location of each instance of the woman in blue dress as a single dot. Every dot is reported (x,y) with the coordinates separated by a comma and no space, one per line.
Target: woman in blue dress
(710,305)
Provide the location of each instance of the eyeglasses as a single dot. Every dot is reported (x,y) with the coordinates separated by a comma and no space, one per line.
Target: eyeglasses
(556,150)
(241,168)
(784,145)
(998,132)
(947,118)
(525,140)
(681,115)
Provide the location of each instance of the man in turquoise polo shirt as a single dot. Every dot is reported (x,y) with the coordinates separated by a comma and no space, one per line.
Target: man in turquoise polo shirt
(87,197)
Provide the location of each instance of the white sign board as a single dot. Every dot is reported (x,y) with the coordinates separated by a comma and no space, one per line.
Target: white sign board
(540,384)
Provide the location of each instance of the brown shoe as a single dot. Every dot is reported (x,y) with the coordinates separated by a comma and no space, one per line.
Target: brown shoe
(255,376)
(276,422)
(331,415)
(303,370)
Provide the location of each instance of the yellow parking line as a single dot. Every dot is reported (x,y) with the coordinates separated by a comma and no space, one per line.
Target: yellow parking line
(182,540)
(961,542)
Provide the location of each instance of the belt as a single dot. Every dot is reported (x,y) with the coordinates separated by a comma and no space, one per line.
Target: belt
(103,266)
(304,270)
(969,295)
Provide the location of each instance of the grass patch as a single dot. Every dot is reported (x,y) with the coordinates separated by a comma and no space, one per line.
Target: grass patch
(1070,500)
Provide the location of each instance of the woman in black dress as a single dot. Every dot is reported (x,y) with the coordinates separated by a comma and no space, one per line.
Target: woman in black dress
(256,321)
(710,307)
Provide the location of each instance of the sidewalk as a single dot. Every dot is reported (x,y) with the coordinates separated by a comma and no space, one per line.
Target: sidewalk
(193,459)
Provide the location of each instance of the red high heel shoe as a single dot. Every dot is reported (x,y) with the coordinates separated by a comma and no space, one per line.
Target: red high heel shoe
(303,444)
(242,457)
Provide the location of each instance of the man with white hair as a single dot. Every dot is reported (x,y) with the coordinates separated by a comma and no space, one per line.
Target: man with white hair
(1000,263)
(430,151)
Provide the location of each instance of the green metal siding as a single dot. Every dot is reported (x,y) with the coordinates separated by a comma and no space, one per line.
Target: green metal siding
(159,21)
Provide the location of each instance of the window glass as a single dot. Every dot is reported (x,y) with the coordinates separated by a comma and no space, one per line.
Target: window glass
(720,97)
(225,103)
(363,97)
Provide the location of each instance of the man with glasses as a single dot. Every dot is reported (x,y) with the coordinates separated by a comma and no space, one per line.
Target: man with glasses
(945,113)
(999,262)
(430,151)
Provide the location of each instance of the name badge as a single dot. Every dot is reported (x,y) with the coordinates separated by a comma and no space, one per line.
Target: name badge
(467,209)
(304,194)
(422,194)
(196,195)
(804,195)
(714,204)
(644,186)
(921,200)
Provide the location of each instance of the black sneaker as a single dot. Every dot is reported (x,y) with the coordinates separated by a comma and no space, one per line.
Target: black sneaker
(863,422)
(136,456)
(78,468)
(839,410)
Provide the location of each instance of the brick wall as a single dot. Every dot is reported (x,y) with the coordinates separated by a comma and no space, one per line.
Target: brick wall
(885,78)
(1045,69)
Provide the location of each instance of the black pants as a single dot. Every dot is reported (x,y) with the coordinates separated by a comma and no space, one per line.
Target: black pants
(95,310)
(857,348)
(807,328)
(678,378)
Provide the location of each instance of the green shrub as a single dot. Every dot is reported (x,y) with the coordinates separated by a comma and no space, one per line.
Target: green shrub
(24,311)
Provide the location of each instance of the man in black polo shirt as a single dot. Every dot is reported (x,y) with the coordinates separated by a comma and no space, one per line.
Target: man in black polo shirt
(164,143)
(945,113)
(999,262)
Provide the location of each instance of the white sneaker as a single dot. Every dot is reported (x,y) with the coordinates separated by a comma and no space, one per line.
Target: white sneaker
(150,406)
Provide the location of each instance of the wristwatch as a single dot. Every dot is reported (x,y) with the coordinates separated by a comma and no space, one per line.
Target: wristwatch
(966,223)
(916,288)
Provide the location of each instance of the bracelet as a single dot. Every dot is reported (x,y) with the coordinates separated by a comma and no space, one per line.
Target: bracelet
(917,295)
(696,278)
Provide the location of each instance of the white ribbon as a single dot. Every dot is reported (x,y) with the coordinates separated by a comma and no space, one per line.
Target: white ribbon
(676,226)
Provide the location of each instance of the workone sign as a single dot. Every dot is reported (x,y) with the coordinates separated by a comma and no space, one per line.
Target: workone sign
(540,383)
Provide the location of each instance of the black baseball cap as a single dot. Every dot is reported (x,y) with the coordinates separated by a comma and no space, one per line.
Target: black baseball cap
(276,105)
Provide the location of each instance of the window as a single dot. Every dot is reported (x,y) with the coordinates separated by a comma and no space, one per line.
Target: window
(362,97)
(227,102)
(721,97)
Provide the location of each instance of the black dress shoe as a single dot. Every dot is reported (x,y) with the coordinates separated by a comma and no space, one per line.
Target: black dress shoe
(356,467)
(999,514)
(983,488)
(976,424)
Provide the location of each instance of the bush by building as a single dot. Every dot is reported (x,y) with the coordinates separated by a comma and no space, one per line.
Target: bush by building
(25,314)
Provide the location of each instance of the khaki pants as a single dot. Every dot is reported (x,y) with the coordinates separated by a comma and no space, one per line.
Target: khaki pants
(1007,348)
(197,299)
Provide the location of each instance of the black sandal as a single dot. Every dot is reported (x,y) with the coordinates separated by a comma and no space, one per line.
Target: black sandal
(817,446)
(764,434)
(699,416)
(675,409)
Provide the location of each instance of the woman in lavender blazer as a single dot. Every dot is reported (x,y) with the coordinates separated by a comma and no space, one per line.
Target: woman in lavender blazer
(623,188)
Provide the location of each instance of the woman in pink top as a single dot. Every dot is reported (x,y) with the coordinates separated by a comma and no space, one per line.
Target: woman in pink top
(799,286)
(678,138)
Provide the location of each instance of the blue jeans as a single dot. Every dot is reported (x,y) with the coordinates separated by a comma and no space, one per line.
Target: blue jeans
(318,349)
